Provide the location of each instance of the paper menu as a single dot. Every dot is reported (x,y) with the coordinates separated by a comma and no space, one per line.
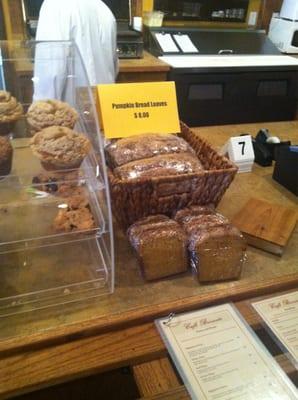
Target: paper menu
(185,44)
(166,43)
(220,359)
(280,313)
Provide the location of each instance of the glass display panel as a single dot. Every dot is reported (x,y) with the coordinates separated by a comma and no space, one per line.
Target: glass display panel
(56,238)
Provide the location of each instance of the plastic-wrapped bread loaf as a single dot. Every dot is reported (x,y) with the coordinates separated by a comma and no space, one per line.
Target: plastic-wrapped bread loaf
(163,165)
(190,212)
(160,244)
(216,248)
(192,223)
(126,150)
(217,252)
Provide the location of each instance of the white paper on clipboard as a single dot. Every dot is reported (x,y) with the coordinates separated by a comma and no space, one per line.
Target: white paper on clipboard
(185,43)
(219,357)
(280,313)
(166,43)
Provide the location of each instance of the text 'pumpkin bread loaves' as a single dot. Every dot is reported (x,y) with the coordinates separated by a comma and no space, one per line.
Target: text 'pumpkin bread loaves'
(160,244)
(126,150)
(163,165)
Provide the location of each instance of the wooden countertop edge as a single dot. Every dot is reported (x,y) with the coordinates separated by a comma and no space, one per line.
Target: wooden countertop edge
(133,68)
(140,347)
(146,314)
(156,68)
(148,63)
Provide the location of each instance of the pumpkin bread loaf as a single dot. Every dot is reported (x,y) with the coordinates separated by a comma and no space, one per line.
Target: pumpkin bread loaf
(217,252)
(216,248)
(163,165)
(186,213)
(126,150)
(160,244)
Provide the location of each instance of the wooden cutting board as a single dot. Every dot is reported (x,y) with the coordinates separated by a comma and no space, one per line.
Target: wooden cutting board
(265,225)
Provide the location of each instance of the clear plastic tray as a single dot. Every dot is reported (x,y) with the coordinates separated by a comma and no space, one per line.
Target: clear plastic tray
(42,264)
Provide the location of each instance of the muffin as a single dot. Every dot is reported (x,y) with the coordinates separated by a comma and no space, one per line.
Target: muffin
(6,152)
(10,111)
(44,113)
(60,148)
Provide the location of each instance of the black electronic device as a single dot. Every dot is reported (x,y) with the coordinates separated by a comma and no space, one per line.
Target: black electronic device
(265,149)
(263,156)
(275,147)
(286,168)
(129,42)
(262,136)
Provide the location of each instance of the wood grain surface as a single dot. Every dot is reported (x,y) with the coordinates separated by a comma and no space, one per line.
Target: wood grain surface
(179,393)
(266,224)
(33,370)
(148,63)
(137,347)
(155,377)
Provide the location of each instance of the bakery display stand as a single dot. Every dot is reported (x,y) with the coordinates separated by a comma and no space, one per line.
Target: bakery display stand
(41,266)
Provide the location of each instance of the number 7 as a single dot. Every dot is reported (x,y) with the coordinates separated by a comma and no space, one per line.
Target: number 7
(243,147)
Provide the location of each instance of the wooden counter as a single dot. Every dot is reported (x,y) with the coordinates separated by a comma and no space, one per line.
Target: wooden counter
(148,63)
(146,69)
(43,345)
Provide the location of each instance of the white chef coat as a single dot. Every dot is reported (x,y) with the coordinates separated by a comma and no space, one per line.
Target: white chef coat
(92,26)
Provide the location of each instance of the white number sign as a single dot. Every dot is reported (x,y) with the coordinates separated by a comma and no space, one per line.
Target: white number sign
(240,150)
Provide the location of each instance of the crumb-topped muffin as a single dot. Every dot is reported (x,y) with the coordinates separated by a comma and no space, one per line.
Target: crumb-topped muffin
(58,147)
(6,152)
(44,113)
(10,111)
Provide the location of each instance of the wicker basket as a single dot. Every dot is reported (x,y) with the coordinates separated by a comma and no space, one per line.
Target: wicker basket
(134,199)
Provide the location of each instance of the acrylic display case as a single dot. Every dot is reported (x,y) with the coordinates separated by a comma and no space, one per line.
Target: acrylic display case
(40,266)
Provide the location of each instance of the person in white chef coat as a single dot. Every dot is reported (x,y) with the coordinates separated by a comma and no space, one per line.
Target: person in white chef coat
(92,26)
